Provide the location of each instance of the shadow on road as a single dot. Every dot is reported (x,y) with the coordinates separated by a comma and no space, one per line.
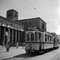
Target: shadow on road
(28,55)
(32,54)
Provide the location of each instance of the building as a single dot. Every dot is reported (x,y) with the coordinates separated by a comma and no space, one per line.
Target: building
(9,29)
(12,14)
(12,29)
(33,24)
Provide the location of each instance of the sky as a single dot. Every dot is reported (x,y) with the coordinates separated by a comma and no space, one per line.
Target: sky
(48,10)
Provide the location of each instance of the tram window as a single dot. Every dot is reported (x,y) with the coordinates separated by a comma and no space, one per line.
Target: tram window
(54,40)
(51,39)
(35,36)
(39,36)
(45,38)
(28,37)
(32,37)
(57,40)
(48,38)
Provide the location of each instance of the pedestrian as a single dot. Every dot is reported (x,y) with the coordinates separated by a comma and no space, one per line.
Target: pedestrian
(8,41)
(17,45)
(7,46)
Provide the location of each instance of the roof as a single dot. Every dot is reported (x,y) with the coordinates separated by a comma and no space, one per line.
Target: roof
(9,20)
(30,19)
(12,10)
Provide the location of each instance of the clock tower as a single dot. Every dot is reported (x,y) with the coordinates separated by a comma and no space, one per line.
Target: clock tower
(12,15)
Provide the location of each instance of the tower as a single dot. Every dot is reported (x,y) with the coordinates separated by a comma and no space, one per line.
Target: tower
(12,14)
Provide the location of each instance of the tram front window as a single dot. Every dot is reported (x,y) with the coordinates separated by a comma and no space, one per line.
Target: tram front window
(39,36)
(32,37)
(48,38)
(35,36)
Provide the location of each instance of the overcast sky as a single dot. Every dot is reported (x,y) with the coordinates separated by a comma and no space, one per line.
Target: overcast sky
(48,10)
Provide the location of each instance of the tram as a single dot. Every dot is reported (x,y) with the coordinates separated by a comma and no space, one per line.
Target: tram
(37,41)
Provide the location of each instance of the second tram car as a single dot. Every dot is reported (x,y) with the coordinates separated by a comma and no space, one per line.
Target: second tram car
(36,41)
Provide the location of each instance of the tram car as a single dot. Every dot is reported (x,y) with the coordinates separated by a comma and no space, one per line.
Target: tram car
(36,41)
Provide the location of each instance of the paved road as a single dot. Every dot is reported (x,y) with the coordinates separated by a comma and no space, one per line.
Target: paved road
(52,55)
(12,52)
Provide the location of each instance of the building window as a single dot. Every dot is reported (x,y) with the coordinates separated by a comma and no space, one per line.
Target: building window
(30,23)
(22,23)
(9,14)
(15,15)
(43,26)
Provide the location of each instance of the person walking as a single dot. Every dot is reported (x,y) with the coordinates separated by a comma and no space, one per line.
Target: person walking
(8,41)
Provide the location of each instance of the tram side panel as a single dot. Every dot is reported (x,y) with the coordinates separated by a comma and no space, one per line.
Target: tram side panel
(56,43)
(38,41)
(48,43)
